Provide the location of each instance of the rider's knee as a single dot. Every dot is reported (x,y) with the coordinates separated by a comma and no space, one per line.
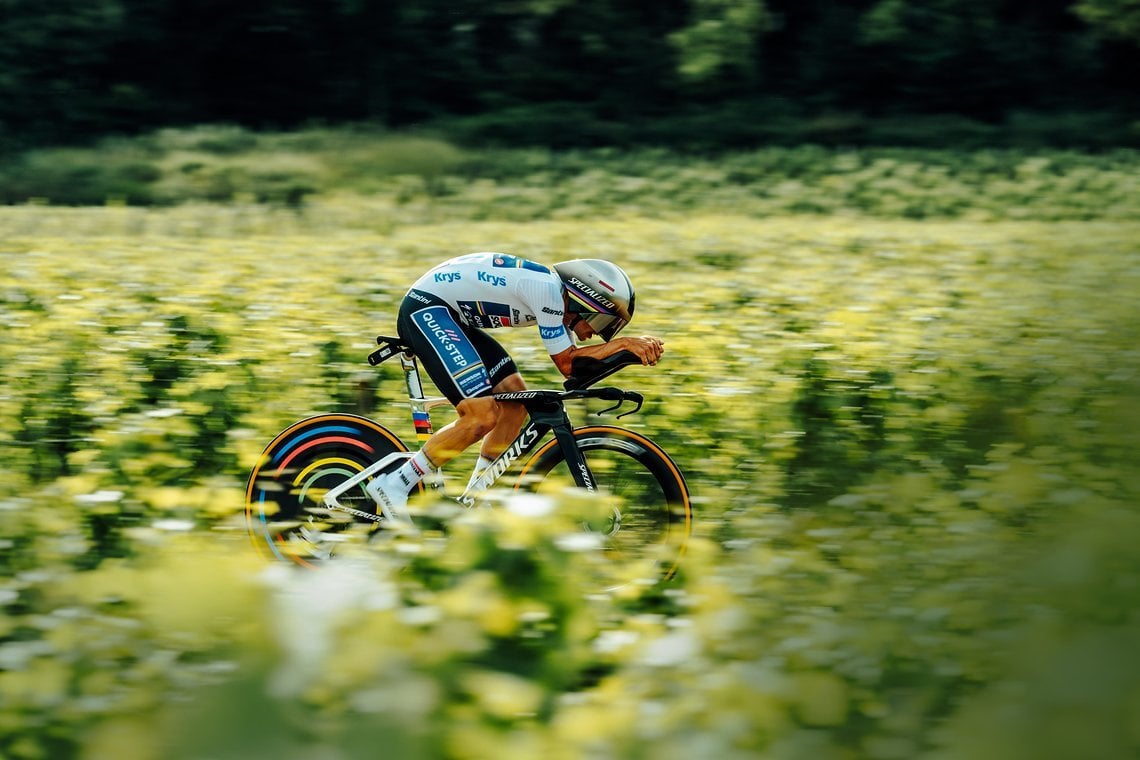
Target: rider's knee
(479,415)
(509,411)
(510,384)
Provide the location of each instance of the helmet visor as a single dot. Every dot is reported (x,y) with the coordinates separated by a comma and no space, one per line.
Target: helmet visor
(605,325)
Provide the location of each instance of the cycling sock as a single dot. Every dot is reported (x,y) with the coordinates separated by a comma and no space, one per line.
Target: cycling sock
(481,466)
(413,470)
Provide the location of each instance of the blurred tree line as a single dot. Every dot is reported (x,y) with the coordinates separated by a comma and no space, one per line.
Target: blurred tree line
(74,69)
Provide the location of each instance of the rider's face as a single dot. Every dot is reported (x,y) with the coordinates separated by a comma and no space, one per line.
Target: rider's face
(580,328)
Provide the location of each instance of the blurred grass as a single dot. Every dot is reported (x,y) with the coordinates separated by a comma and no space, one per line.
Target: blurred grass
(429,176)
(911,442)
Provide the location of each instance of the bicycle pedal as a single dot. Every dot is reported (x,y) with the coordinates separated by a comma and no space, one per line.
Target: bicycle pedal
(318,543)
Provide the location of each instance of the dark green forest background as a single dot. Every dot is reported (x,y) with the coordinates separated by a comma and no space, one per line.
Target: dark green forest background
(569,73)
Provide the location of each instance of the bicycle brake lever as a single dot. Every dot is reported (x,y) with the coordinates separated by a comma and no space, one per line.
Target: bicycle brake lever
(633,396)
(609,409)
(636,398)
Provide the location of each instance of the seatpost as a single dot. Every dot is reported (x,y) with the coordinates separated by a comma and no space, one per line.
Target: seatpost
(411,376)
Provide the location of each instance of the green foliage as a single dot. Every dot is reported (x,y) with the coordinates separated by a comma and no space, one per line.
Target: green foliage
(78,178)
(76,71)
(427,179)
(363,162)
(52,59)
(56,428)
(1115,18)
(721,35)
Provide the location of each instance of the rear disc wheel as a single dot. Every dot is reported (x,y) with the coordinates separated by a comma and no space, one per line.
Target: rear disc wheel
(285,513)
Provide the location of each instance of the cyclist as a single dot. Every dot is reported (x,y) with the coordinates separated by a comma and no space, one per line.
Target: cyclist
(443,317)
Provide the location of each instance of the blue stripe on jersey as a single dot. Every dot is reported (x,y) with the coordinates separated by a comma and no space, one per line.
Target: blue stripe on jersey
(514,262)
(459,357)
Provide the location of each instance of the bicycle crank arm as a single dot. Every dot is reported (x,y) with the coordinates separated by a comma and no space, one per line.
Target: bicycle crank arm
(355,512)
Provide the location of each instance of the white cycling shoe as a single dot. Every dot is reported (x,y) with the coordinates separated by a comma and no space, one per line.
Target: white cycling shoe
(392,501)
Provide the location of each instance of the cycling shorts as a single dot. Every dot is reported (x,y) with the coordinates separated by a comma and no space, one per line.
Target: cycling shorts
(462,361)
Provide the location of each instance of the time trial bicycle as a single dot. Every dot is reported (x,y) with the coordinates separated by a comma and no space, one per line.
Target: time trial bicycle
(306,495)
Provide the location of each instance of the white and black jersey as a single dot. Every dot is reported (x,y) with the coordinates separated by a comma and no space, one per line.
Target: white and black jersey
(446,310)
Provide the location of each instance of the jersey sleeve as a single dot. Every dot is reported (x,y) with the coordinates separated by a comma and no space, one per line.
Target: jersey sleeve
(544,296)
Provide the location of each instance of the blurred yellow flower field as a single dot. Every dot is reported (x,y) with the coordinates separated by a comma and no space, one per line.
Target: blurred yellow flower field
(911,445)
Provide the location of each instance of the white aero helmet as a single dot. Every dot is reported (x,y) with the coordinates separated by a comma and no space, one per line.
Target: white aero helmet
(599,293)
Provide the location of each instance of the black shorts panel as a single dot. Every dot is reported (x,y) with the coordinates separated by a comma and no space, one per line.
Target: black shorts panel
(462,361)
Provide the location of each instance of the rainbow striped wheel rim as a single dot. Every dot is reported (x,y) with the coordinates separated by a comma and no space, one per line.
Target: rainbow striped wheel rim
(301,463)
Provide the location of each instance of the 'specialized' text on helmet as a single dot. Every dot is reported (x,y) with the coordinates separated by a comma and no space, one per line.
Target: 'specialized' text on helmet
(599,292)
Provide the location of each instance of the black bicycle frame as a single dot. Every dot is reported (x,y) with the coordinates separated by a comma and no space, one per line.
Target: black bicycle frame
(546,414)
(545,408)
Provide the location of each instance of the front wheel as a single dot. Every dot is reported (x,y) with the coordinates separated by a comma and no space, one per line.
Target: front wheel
(284,508)
(647,511)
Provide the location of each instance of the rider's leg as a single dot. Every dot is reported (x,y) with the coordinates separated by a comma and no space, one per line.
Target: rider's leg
(510,422)
(466,368)
(477,417)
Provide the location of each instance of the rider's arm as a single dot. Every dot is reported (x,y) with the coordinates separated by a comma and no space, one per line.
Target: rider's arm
(647,348)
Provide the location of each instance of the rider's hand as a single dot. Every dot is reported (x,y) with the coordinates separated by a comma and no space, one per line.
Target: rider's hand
(647,348)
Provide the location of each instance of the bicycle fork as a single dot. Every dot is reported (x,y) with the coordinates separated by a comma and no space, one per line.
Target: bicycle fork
(559,422)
